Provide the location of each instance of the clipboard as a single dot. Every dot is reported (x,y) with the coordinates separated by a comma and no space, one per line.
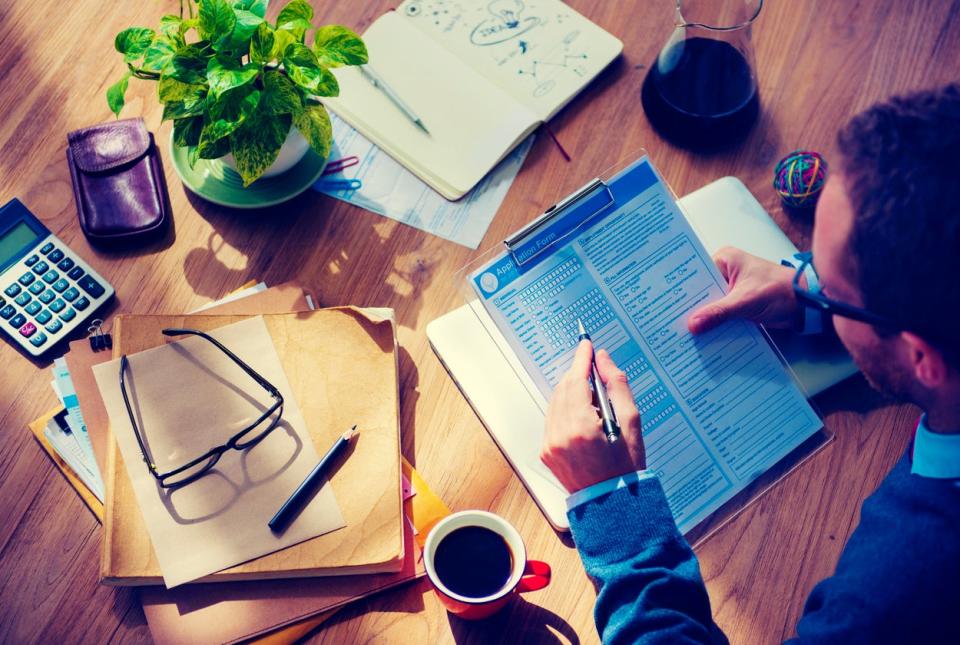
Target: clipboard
(511,405)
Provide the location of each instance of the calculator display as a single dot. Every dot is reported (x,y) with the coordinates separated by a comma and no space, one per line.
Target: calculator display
(14,240)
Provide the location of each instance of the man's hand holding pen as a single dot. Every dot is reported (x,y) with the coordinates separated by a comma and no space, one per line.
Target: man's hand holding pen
(575,447)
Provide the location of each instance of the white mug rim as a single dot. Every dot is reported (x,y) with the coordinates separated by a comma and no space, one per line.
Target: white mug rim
(493,522)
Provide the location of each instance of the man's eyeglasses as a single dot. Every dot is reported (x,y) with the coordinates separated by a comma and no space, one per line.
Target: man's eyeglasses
(246,438)
(815,299)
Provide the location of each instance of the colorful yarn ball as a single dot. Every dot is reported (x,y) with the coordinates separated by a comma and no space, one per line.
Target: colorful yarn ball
(799,178)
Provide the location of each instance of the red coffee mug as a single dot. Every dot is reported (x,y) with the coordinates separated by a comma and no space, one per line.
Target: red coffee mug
(526,575)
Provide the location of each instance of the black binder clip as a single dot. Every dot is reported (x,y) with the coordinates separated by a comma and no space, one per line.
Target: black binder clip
(559,221)
(99,340)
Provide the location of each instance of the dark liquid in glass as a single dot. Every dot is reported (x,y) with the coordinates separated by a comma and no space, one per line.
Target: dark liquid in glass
(708,99)
(473,561)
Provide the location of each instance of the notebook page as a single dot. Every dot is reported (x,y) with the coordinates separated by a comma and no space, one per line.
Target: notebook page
(542,52)
(718,409)
(472,123)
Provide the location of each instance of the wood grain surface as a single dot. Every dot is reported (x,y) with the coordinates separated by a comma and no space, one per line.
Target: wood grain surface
(818,62)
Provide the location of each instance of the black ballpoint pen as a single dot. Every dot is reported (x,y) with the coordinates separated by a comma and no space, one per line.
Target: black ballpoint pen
(299,498)
(607,416)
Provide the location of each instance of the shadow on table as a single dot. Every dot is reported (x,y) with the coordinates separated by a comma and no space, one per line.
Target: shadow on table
(409,393)
(209,266)
(519,622)
(331,248)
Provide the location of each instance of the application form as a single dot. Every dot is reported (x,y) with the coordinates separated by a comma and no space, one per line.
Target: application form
(717,409)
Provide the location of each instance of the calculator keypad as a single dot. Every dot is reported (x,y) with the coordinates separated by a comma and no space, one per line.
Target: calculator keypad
(46,295)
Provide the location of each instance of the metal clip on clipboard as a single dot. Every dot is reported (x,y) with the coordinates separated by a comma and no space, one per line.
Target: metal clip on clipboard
(559,221)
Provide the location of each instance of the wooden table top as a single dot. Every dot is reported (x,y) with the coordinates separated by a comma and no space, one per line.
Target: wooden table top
(818,63)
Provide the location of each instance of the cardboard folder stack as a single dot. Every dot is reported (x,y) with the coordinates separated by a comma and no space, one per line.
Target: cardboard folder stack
(342,367)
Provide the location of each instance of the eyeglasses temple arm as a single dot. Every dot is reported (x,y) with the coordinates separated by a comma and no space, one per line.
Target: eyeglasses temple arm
(236,359)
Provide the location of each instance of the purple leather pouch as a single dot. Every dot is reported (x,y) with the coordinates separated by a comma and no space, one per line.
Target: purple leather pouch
(118,183)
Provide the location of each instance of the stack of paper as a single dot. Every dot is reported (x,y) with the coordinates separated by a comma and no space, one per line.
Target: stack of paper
(235,610)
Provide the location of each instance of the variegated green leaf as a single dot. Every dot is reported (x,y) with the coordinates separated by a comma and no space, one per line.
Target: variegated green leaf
(133,42)
(186,132)
(256,144)
(281,96)
(336,45)
(313,122)
(116,94)
(304,70)
(225,73)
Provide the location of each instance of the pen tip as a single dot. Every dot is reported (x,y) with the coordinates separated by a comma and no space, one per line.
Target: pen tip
(420,125)
(580,329)
(350,434)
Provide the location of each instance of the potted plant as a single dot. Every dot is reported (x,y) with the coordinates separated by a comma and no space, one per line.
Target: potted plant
(236,85)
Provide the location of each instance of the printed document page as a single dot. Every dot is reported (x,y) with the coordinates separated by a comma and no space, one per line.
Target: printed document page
(717,409)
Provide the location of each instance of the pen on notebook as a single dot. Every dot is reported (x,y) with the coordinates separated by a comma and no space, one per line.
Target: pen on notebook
(305,490)
(381,85)
(607,416)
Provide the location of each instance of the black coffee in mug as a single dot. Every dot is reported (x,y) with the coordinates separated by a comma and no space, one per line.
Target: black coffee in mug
(473,561)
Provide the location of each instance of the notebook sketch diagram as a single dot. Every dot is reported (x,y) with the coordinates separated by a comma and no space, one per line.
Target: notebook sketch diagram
(533,48)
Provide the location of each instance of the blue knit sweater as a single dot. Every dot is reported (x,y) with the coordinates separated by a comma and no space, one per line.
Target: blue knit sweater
(897,581)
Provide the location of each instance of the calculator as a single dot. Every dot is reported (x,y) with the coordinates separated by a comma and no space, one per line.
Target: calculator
(46,290)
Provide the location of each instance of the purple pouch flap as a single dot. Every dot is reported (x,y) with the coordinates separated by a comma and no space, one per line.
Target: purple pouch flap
(109,145)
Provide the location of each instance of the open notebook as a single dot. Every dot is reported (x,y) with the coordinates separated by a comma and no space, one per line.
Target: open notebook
(480,74)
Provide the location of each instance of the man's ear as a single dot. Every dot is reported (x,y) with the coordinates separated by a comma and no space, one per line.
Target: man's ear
(927,362)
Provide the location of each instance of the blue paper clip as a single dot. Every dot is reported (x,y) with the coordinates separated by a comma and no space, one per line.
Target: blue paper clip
(341,184)
(339,165)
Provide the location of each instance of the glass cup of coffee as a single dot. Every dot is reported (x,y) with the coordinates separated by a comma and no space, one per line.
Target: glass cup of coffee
(476,562)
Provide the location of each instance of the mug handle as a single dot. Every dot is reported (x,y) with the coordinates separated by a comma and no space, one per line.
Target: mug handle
(536,575)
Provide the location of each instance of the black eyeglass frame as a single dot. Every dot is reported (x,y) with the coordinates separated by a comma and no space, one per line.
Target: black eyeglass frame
(816,300)
(213,455)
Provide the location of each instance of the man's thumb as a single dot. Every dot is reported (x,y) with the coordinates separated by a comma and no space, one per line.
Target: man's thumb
(712,315)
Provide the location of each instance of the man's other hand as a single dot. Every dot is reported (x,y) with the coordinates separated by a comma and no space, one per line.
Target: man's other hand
(575,448)
(760,291)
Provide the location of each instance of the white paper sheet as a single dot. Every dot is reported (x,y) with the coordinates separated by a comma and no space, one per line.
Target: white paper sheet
(188,397)
(391,190)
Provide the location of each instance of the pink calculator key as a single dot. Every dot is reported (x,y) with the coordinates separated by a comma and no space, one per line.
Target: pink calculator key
(28,330)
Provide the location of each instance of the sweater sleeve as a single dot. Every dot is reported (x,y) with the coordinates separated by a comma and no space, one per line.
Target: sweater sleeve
(649,585)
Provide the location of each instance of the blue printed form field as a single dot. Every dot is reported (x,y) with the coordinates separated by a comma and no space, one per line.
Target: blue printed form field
(718,409)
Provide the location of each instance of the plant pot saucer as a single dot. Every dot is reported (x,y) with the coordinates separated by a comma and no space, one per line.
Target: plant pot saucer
(213,181)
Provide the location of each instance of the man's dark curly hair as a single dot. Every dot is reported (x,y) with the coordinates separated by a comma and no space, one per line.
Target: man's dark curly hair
(901,166)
